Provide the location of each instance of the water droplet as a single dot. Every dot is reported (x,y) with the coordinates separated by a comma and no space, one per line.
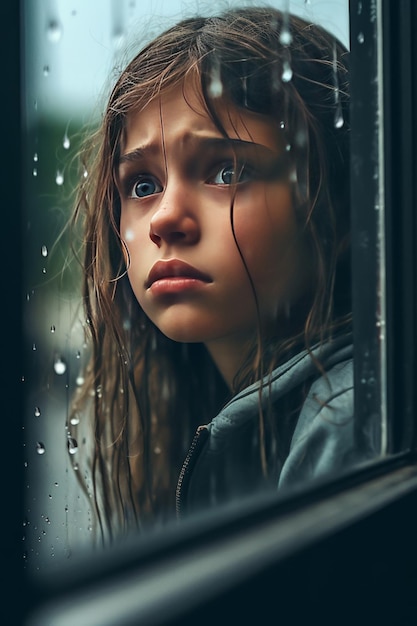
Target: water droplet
(285,37)
(53,328)
(75,419)
(44,251)
(60,366)
(54,31)
(282,125)
(85,173)
(44,270)
(72,445)
(361,38)
(66,142)
(37,411)
(338,118)
(34,171)
(215,88)
(40,448)
(35,157)
(59,178)
(293,175)
(34,346)
(46,70)
(286,72)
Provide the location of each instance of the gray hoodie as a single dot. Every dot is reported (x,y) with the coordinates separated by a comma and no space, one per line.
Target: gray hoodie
(223,463)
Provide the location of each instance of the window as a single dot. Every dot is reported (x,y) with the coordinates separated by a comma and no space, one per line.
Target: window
(297,536)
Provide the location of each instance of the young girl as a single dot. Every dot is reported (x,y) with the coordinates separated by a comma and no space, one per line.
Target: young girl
(217,270)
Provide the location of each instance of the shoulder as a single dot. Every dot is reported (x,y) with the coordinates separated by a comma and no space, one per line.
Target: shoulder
(324,440)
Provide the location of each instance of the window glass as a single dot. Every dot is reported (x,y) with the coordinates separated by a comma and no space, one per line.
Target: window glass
(85,482)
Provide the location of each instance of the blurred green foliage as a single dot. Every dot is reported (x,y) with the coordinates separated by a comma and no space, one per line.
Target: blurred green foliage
(48,258)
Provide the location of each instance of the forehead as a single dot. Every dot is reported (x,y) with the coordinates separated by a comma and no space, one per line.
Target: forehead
(181,111)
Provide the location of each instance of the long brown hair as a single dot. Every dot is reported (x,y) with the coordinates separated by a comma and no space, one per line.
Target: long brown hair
(146,392)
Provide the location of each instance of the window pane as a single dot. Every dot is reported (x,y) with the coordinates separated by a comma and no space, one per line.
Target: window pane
(179,408)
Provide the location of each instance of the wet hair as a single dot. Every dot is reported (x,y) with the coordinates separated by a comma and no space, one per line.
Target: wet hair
(146,392)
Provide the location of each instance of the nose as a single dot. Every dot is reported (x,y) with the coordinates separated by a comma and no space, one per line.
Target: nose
(175,220)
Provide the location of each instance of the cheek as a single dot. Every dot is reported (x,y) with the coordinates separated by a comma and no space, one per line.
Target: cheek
(271,242)
(265,224)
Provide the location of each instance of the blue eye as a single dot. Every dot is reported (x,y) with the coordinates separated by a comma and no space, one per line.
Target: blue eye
(145,187)
(226,175)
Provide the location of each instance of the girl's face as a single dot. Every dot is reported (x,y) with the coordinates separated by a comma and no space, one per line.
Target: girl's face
(176,181)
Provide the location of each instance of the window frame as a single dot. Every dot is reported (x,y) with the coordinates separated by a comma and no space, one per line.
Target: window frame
(303,557)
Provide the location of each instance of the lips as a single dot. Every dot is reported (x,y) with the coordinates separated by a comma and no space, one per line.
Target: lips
(174,269)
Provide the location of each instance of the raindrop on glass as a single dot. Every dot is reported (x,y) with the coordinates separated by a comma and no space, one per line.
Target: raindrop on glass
(40,448)
(215,87)
(37,411)
(54,31)
(44,270)
(66,142)
(59,178)
(285,37)
(60,366)
(338,118)
(35,157)
(361,38)
(44,251)
(286,72)
(75,419)
(34,171)
(53,329)
(46,70)
(72,445)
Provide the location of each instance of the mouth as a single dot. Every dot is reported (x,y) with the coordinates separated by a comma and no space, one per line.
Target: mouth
(175,270)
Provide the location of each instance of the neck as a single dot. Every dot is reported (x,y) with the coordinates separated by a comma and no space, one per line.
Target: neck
(229,356)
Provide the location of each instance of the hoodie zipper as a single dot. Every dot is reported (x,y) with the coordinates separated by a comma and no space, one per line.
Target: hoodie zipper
(200,437)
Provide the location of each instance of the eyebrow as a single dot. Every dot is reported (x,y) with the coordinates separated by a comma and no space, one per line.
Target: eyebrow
(140,153)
